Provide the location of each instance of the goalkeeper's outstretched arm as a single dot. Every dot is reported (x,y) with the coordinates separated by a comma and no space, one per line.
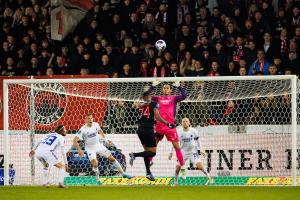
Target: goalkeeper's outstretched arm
(183,93)
(162,120)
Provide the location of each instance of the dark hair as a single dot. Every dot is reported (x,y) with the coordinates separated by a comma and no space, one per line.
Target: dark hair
(59,128)
(146,94)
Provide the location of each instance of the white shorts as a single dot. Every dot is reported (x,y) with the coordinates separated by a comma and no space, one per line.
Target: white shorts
(47,157)
(99,149)
(192,158)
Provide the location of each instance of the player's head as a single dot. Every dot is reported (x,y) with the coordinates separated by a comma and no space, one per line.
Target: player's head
(166,89)
(89,119)
(146,96)
(61,129)
(185,122)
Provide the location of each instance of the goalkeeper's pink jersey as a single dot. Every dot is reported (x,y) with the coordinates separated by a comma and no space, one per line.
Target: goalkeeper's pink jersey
(167,106)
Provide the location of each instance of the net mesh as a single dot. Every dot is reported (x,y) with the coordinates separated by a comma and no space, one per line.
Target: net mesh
(244,126)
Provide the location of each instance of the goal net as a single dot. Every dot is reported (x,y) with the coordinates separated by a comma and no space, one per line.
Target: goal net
(246,125)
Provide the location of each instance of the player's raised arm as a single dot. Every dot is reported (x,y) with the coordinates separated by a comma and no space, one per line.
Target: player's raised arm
(154,84)
(76,144)
(183,93)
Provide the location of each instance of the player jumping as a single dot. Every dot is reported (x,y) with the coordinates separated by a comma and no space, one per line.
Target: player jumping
(190,146)
(167,110)
(45,151)
(89,133)
(149,112)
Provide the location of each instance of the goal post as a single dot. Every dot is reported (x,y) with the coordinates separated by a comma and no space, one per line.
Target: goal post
(247,127)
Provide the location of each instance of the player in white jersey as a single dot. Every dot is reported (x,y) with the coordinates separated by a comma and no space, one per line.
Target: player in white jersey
(191,149)
(45,151)
(89,133)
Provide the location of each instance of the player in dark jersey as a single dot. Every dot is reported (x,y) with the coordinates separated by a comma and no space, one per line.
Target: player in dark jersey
(149,113)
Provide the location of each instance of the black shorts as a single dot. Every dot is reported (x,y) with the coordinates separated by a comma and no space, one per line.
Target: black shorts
(147,136)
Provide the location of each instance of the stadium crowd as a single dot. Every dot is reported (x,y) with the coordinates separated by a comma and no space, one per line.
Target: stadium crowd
(117,38)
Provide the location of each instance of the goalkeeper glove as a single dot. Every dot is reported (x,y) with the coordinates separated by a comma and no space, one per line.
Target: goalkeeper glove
(171,126)
(155,83)
(176,84)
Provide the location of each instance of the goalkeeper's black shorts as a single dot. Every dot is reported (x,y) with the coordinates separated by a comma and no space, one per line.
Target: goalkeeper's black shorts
(147,136)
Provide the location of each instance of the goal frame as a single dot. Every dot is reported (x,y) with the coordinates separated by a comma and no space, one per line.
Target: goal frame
(292,78)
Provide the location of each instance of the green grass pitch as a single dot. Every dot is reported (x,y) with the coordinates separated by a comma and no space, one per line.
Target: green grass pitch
(150,192)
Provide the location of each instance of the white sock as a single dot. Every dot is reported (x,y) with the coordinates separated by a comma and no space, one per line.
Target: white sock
(61,175)
(205,172)
(118,166)
(96,170)
(45,173)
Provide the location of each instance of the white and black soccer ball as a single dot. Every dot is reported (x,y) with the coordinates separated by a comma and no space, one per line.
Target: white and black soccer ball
(160,45)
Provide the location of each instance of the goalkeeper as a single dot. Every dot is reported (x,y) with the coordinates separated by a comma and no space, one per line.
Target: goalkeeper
(190,145)
(167,110)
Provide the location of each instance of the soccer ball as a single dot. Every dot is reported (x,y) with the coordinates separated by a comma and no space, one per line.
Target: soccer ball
(160,45)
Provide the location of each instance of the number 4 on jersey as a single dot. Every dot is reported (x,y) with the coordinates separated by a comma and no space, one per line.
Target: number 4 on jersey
(146,111)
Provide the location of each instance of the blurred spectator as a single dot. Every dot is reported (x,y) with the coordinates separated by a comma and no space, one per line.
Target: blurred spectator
(242,71)
(273,69)
(9,69)
(144,70)
(84,71)
(174,72)
(261,64)
(231,69)
(160,70)
(126,72)
(187,64)
(214,70)
(268,47)
(49,72)
(115,33)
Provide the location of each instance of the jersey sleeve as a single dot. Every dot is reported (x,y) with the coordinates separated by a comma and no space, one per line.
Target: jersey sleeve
(182,96)
(156,105)
(79,134)
(62,142)
(179,131)
(154,98)
(197,140)
(196,134)
(97,126)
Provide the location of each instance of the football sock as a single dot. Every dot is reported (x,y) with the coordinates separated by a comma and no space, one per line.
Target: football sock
(179,156)
(61,175)
(205,172)
(118,166)
(147,165)
(45,175)
(96,170)
(145,154)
